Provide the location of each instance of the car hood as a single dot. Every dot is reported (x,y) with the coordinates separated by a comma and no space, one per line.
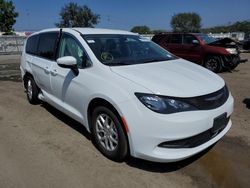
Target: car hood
(178,78)
(225,42)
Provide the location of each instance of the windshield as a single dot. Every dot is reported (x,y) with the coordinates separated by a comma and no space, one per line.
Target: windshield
(206,38)
(125,49)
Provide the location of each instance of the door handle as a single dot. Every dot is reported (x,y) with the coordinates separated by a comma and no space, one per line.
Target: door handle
(46,70)
(53,72)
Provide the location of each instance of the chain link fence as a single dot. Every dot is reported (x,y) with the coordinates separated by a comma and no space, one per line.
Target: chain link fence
(11,44)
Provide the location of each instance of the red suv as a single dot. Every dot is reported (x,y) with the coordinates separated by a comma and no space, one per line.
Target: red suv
(202,49)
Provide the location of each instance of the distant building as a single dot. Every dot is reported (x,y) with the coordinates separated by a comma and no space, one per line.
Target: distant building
(20,33)
(238,36)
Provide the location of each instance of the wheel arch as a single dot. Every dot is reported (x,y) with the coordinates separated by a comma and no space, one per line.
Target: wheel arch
(98,101)
(26,75)
(211,55)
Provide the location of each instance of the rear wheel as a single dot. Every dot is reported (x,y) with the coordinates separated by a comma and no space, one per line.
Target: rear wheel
(213,63)
(108,134)
(32,90)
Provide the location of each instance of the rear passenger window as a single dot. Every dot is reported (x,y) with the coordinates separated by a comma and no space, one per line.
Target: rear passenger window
(176,39)
(31,45)
(47,44)
(167,39)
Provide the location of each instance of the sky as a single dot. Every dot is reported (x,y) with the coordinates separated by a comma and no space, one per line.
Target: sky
(124,14)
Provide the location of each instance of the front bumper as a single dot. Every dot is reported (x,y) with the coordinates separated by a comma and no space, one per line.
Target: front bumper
(148,129)
(172,155)
(232,61)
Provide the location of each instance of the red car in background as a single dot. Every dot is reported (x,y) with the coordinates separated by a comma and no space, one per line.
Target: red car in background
(202,49)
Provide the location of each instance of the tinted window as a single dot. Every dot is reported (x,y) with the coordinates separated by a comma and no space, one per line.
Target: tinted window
(167,38)
(47,43)
(176,39)
(31,45)
(188,39)
(69,46)
(158,38)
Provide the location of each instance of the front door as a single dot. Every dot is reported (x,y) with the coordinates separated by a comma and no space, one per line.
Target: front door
(68,88)
(191,52)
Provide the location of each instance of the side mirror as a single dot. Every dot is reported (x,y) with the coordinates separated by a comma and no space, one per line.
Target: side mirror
(68,62)
(195,42)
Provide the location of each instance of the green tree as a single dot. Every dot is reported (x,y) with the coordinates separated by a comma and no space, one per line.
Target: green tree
(186,22)
(141,29)
(7,16)
(74,15)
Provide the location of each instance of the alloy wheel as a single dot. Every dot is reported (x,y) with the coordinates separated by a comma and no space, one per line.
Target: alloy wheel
(212,64)
(29,89)
(107,133)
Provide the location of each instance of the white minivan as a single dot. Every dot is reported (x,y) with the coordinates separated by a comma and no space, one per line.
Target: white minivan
(133,96)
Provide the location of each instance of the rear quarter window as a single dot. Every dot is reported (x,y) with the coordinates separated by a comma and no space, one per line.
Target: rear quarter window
(31,45)
(47,44)
(157,38)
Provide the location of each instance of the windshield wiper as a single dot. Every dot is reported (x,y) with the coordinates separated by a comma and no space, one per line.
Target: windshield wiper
(133,62)
(155,60)
(119,63)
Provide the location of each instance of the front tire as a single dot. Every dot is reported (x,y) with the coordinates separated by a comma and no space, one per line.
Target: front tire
(234,62)
(213,63)
(108,134)
(32,90)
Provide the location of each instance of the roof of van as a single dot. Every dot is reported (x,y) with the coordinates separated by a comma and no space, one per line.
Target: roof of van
(86,31)
(102,31)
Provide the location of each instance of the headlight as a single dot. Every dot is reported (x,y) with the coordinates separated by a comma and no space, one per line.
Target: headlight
(231,50)
(163,105)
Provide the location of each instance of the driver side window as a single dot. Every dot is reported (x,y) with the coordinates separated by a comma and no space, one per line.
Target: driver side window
(71,47)
(188,39)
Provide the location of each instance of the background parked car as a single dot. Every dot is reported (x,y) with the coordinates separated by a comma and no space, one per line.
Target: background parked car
(202,49)
(246,44)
